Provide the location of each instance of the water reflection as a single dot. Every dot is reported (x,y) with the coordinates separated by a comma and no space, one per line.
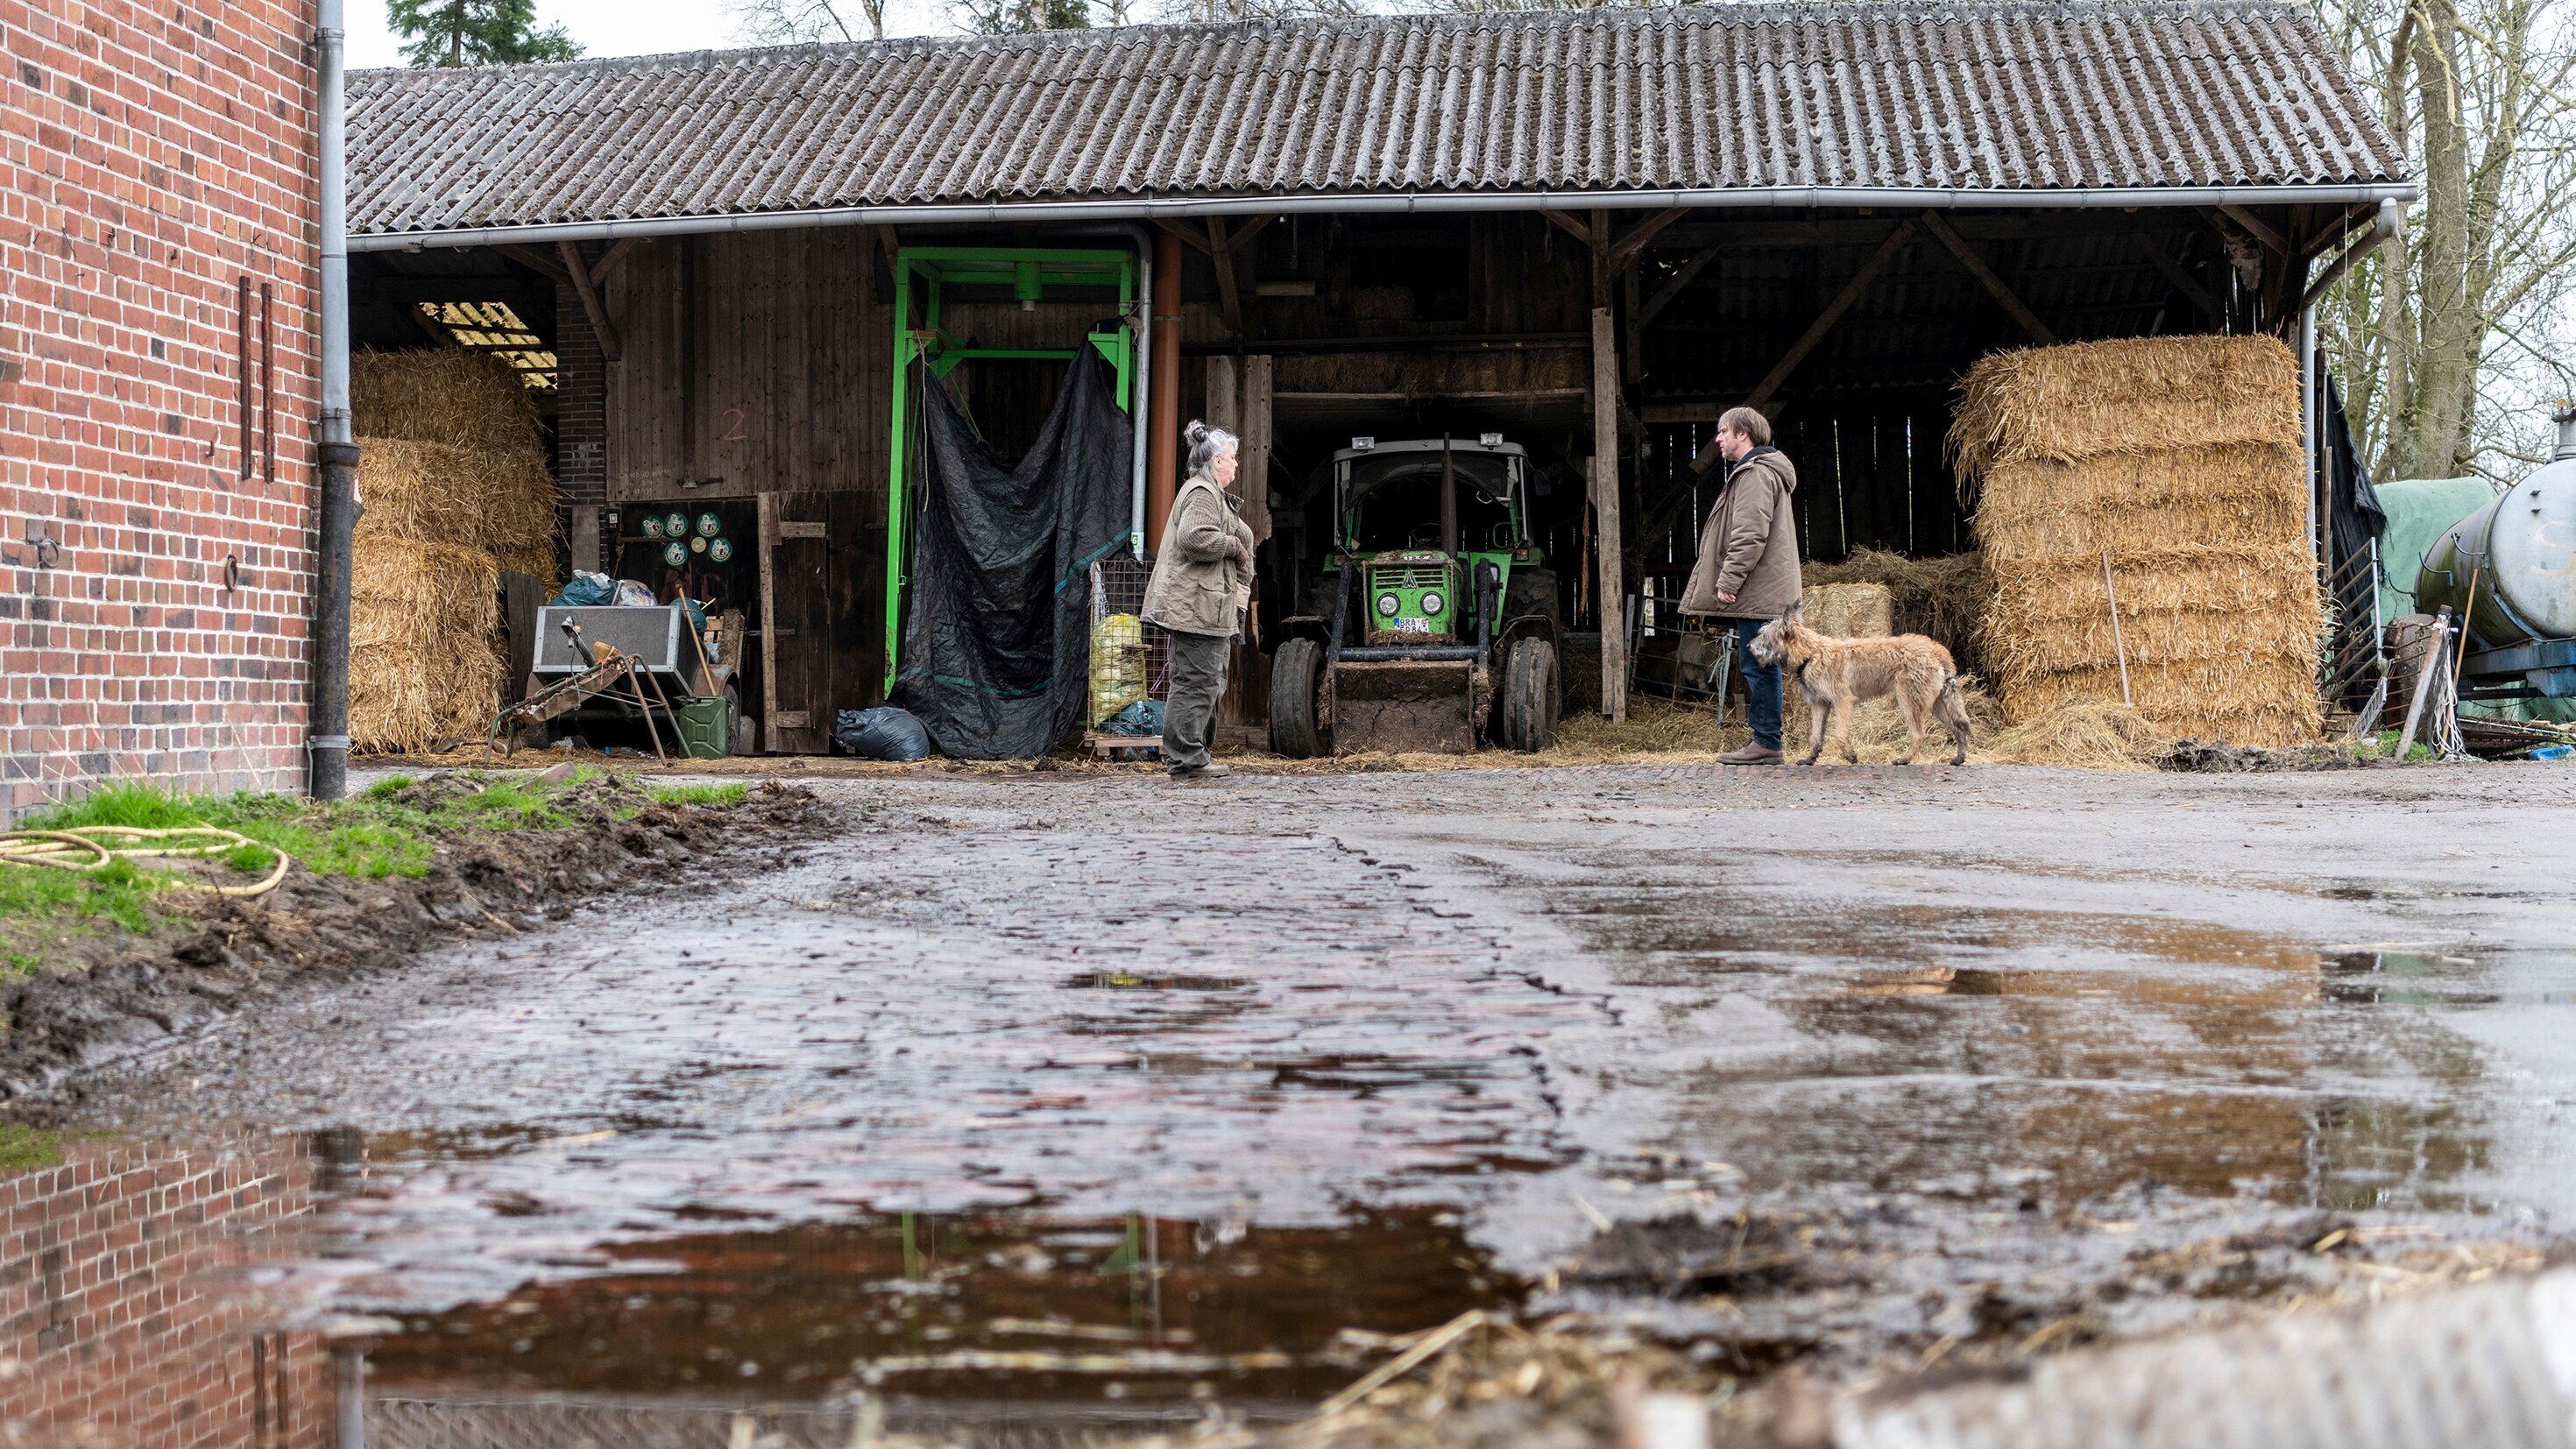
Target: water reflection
(160,1294)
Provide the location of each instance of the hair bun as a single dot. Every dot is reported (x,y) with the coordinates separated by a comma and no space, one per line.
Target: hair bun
(1196,433)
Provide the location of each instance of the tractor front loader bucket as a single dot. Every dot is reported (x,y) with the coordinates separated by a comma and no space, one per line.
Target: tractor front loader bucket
(1429,706)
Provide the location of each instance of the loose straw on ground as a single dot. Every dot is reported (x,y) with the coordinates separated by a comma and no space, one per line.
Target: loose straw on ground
(84,849)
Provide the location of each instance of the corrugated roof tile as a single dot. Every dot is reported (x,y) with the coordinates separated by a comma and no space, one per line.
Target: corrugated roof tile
(2012,95)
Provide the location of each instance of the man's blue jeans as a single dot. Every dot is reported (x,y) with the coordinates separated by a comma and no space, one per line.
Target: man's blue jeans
(1761,686)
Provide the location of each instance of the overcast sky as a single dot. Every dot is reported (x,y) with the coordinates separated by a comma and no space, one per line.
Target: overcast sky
(627,27)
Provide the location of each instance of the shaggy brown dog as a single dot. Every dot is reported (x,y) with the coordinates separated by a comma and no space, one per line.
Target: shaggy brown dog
(1839,674)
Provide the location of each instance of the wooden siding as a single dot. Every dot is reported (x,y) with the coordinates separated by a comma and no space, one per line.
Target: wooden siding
(753,362)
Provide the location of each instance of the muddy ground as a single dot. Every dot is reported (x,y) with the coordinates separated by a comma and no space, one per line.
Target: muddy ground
(1045,1106)
(107,995)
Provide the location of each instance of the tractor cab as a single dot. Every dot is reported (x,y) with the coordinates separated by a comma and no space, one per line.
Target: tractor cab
(1435,621)
(1425,520)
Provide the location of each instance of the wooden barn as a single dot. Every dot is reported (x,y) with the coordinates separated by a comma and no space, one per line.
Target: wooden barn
(1589,232)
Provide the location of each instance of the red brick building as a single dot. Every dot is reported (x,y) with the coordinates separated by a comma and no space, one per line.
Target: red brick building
(158,387)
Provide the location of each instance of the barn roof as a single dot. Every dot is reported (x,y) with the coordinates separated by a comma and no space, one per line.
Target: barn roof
(2036,102)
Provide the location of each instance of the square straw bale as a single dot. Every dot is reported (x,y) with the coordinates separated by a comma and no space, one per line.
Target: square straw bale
(2126,395)
(443,395)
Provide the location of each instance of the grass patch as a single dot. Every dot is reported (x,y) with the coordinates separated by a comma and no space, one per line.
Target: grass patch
(24,1148)
(699,794)
(388,829)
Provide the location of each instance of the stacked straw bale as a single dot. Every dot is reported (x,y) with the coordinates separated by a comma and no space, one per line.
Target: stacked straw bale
(2177,460)
(453,480)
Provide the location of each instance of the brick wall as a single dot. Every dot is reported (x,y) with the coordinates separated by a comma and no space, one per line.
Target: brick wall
(124,1315)
(152,156)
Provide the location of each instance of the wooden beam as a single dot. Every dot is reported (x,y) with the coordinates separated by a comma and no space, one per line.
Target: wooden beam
(1878,262)
(590,304)
(609,260)
(1613,597)
(1625,249)
(536,262)
(1196,239)
(2183,281)
(1679,283)
(2257,227)
(1229,290)
(1251,229)
(1573,228)
(1986,278)
(1816,330)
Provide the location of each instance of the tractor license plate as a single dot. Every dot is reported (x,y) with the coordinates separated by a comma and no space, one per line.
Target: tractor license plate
(1414,626)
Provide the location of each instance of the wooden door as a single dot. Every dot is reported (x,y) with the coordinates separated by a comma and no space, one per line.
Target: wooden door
(822,600)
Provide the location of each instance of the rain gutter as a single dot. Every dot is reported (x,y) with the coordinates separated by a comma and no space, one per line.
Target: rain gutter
(1149,208)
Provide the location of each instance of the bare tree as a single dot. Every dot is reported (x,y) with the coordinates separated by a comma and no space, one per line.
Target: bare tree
(799,22)
(2448,353)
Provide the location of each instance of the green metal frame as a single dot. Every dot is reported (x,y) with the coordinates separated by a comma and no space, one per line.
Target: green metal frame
(1028,272)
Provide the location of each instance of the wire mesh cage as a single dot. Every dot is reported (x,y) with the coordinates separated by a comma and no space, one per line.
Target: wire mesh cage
(1130,659)
(1671,657)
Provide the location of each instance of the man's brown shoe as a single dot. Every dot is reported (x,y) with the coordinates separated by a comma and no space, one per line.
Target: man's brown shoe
(1749,753)
(1204,772)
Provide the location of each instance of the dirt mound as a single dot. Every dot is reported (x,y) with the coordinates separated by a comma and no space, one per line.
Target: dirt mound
(2221,758)
(115,996)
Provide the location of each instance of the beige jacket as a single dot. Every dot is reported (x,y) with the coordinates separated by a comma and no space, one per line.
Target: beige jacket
(1197,587)
(1750,546)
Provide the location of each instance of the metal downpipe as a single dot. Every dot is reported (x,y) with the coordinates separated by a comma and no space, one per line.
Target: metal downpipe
(336,516)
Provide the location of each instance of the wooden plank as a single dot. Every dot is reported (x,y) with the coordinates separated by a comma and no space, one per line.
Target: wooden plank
(769,730)
(1612,595)
(1569,225)
(1245,231)
(2182,281)
(1896,480)
(2261,230)
(521,596)
(1986,278)
(609,260)
(591,306)
(1824,500)
(1675,285)
(1625,249)
(1229,292)
(537,262)
(1256,443)
(1188,234)
(1824,323)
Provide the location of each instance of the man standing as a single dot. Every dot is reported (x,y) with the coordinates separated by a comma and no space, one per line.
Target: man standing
(1747,569)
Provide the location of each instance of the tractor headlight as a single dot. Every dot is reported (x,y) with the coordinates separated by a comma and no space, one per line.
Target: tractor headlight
(1431,602)
(1387,604)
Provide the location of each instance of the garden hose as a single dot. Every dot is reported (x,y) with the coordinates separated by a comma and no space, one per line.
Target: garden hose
(87,848)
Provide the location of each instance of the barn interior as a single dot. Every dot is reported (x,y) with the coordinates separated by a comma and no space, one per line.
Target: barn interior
(751,373)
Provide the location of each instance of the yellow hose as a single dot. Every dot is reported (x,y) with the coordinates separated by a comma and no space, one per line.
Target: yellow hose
(87,848)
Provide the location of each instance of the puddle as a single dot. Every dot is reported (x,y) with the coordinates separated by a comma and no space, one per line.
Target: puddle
(970,1306)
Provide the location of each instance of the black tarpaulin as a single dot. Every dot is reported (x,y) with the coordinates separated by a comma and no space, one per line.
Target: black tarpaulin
(2356,515)
(997,624)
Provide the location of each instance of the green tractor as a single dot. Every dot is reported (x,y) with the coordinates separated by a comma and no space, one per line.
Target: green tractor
(1434,624)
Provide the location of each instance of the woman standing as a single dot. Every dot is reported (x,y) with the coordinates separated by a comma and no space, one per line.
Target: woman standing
(1202,584)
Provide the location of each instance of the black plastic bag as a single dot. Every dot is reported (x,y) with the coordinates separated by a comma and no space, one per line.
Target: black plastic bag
(884,733)
(997,615)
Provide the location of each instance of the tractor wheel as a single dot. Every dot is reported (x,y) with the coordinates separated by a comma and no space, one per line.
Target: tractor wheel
(1294,672)
(1530,697)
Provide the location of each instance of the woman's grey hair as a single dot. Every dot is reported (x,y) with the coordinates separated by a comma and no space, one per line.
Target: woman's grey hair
(1206,445)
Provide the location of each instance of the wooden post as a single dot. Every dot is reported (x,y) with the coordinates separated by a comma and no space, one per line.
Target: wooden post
(1163,400)
(1255,485)
(1613,594)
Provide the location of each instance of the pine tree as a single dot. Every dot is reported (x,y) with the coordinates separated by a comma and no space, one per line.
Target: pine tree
(477,32)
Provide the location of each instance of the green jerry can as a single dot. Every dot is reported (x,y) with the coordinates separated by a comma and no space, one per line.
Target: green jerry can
(706,727)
